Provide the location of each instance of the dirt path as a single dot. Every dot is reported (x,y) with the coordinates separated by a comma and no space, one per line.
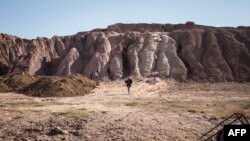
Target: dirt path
(164,111)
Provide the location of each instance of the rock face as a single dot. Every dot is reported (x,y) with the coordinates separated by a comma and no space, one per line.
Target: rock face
(183,51)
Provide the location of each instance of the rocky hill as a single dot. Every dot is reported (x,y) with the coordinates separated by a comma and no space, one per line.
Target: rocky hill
(183,51)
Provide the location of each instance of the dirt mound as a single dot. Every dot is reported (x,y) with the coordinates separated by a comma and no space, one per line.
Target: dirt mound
(3,87)
(59,86)
(16,82)
(47,86)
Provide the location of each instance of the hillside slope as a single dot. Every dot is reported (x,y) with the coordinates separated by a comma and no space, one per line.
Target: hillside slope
(183,51)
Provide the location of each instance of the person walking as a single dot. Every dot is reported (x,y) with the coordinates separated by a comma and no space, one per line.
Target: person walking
(129,82)
(95,76)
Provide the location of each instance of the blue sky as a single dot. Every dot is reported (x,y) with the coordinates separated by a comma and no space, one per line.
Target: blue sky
(45,18)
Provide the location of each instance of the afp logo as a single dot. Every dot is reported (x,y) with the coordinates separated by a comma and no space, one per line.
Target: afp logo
(236,132)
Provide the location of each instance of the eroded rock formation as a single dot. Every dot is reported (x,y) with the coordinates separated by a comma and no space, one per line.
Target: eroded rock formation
(184,51)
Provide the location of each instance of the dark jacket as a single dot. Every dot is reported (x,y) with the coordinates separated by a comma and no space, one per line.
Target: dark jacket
(129,82)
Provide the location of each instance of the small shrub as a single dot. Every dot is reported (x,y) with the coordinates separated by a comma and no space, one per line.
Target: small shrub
(75,113)
(192,111)
(132,104)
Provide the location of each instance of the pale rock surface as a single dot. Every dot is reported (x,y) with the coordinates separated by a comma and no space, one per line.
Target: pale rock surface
(67,62)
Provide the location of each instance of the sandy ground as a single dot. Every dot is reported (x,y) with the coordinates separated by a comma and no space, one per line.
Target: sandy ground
(163,111)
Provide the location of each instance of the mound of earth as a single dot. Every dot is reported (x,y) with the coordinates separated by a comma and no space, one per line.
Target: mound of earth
(47,86)
(16,82)
(59,86)
(3,87)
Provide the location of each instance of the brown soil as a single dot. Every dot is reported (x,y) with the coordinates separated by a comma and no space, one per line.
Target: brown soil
(47,86)
(165,111)
(16,82)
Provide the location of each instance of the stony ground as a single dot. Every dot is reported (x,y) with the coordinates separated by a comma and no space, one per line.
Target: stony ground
(164,111)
